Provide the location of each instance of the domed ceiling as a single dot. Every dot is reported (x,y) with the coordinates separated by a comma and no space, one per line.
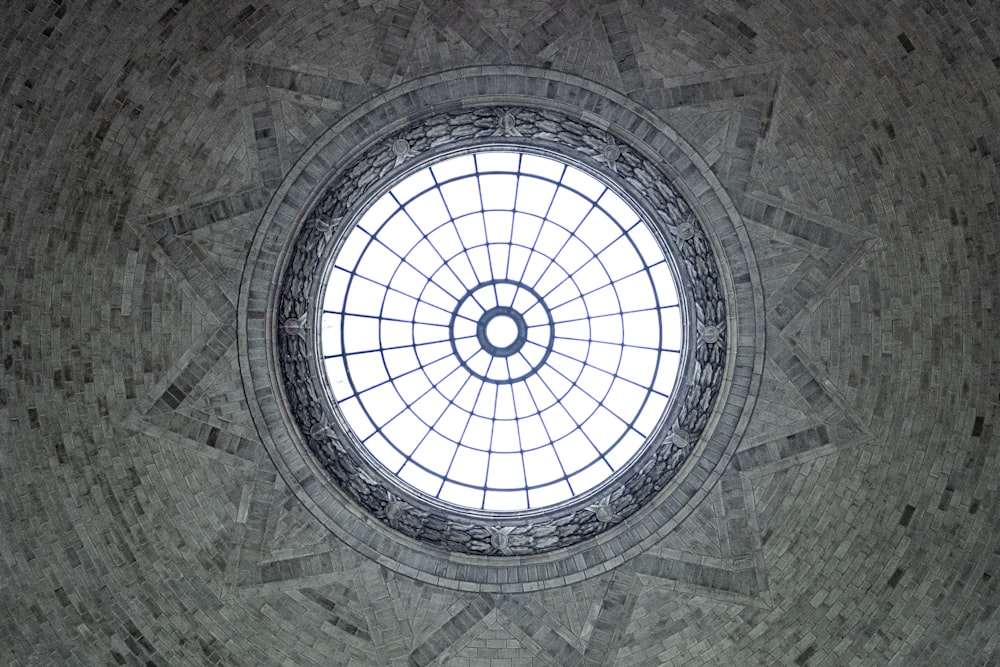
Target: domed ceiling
(837,503)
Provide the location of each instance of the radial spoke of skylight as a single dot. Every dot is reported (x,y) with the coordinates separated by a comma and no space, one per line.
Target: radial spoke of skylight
(337,368)
(499,328)
(421,259)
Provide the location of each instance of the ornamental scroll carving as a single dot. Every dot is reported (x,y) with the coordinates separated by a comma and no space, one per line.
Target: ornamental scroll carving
(521,128)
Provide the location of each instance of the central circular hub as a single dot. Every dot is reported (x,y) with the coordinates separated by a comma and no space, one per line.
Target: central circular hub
(502,331)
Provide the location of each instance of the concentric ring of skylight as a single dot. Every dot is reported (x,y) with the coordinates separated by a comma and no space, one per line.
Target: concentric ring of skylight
(501,331)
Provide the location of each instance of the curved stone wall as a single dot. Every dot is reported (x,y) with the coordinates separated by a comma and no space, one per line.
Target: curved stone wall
(144,522)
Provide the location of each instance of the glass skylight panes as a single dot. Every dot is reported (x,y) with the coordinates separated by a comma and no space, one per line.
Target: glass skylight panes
(501,331)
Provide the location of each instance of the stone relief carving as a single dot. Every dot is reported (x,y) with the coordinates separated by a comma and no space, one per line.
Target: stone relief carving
(427,520)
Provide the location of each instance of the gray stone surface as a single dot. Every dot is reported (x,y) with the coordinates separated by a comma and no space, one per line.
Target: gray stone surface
(143,522)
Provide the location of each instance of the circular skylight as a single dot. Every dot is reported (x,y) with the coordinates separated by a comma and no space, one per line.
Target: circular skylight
(501,331)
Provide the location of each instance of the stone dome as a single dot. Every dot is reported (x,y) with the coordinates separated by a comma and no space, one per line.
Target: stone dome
(176,489)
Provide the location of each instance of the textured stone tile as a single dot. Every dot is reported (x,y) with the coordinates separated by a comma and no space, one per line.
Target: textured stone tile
(132,539)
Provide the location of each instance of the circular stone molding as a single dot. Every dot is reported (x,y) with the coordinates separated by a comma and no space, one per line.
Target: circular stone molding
(580,124)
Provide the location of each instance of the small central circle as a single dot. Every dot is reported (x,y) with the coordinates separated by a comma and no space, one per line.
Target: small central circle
(501,330)
(498,343)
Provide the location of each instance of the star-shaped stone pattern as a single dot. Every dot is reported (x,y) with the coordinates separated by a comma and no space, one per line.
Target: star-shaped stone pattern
(282,555)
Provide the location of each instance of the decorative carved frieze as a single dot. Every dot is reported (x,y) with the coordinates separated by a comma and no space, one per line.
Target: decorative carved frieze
(669,216)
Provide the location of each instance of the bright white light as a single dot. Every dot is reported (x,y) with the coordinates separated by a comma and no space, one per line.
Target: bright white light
(501,331)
